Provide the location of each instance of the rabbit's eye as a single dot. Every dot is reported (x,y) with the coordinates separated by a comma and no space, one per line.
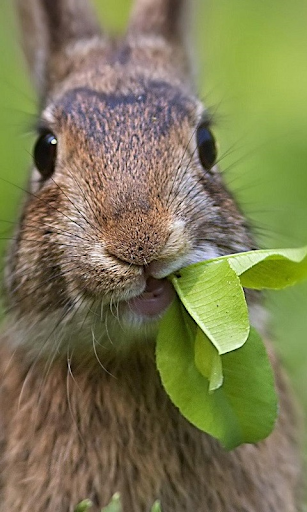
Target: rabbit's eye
(206,146)
(45,151)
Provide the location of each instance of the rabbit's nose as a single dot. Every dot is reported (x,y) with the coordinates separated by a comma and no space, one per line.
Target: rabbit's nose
(138,251)
(137,239)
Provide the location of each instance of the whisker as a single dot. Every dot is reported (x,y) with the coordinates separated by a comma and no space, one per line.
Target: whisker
(94,343)
(179,169)
(74,205)
(70,377)
(55,351)
(97,226)
(28,192)
(69,368)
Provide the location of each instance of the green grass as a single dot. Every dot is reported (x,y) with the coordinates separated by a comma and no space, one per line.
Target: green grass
(113,506)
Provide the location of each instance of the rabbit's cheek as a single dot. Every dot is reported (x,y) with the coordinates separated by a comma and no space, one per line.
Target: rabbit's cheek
(157,296)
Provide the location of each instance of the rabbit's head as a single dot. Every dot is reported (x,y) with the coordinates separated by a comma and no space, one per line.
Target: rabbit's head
(125,188)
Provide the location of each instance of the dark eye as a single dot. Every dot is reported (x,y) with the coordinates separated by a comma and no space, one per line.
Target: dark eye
(206,146)
(45,151)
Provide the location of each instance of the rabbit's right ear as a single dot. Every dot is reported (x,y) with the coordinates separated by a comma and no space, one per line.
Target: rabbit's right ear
(48,28)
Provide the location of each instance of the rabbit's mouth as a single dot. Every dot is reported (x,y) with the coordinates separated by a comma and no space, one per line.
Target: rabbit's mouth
(155,299)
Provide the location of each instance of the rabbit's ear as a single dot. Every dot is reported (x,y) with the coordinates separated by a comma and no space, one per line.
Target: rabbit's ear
(48,28)
(165,19)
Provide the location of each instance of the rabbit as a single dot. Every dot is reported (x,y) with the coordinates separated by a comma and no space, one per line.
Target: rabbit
(125,189)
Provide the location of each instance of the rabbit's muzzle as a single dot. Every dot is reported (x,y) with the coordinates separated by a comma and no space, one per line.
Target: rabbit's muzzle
(137,236)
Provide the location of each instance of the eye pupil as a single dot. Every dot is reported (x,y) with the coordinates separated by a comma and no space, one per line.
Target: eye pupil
(45,151)
(206,146)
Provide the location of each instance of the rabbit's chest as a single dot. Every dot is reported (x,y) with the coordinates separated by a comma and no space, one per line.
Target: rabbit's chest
(75,433)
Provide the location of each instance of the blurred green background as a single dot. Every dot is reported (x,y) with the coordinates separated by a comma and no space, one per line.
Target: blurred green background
(252,72)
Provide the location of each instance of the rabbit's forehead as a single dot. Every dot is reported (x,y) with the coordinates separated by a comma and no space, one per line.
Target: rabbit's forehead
(151,111)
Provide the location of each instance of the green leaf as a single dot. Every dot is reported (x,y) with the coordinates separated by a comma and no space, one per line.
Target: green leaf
(84,506)
(242,410)
(267,268)
(114,505)
(156,507)
(249,385)
(224,390)
(213,296)
(208,361)
(185,385)
(273,269)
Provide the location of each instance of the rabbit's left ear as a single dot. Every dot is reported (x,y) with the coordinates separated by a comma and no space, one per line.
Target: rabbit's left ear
(167,20)
(48,28)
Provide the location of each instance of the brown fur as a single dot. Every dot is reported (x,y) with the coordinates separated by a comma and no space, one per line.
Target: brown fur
(83,410)
(87,433)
